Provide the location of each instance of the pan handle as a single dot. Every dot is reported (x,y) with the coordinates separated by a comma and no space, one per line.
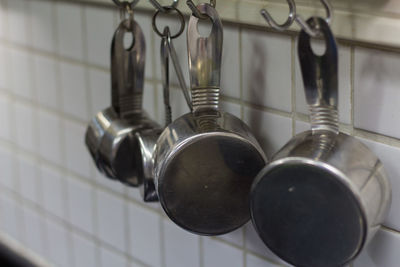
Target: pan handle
(127,70)
(205,55)
(320,77)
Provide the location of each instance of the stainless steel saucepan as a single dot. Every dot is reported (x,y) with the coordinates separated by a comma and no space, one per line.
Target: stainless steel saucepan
(325,194)
(206,160)
(110,135)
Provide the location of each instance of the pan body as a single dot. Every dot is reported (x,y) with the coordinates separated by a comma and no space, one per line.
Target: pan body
(320,200)
(204,170)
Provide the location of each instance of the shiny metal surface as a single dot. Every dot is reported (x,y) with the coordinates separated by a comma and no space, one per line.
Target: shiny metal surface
(206,160)
(146,140)
(324,194)
(145,161)
(110,135)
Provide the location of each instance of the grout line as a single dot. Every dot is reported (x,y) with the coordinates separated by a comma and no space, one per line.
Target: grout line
(201,251)
(70,227)
(162,242)
(293,89)
(240,72)
(352,80)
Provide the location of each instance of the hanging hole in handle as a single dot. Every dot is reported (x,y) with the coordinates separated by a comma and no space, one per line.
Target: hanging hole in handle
(204,27)
(129,40)
(318,45)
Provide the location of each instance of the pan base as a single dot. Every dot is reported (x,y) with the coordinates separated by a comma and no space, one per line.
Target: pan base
(307,216)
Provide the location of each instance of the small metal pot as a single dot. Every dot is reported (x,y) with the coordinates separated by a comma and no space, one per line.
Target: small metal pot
(206,160)
(147,140)
(325,194)
(110,135)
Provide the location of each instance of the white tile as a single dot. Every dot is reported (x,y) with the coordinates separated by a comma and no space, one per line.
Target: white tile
(230,75)
(302,126)
(46,87)
(50,136)
(25,123)
(17,21)
(73,86)
(376,91)
(34,231)
(253,261)
(77,157)
(7,161)
(113,185)
(5,63)
(182,248)
(148,100)
(69,30)
(100,30)
(144,228)
(271,130)
(389,155)
(134,264)
(42,23)
(111,220)
(80,205)
(100,90)
(344,86)
(21,73)
(5,114)
(109,258)
(235,237)
(256,245)
(84,251)
(58,244)
(266,69)
(219,254)
(177,101)
(382,251)
(53,193)
(144,21)
(134,193)
(233,108)
(180,44)
(28,178)
(10,223)
(3,19)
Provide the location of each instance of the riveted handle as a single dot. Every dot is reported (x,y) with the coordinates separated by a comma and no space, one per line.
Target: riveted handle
(127,70)
(320,77)
(205,54)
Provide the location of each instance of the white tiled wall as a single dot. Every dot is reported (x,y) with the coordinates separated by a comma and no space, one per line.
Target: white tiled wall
(54,76)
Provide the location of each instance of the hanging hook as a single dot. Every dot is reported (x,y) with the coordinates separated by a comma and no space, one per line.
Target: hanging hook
(126,13)
(281,27)
(123,4)
(196,12)
(161,8)
(315,32)
(293,16)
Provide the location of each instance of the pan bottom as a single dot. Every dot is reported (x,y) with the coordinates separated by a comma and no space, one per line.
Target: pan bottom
(307,216)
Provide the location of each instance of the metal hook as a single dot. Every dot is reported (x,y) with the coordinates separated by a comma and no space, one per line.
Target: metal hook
(293,16)
(316,32)
(125,9)
(123,4)
(161,8)
(281,27)
(196,12)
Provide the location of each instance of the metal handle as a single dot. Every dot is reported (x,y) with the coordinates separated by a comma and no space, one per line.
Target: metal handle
(165,71)
(320,77)
(179,72)
(205,54)
(127,70)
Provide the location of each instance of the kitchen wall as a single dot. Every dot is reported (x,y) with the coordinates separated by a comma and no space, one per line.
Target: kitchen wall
(54,76)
